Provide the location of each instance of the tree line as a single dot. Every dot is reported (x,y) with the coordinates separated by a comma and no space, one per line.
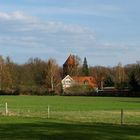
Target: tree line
(40,77)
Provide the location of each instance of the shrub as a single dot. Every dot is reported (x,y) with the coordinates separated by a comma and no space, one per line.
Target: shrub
(79,90)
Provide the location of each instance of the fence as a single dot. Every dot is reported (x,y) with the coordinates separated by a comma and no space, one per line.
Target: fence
(98,116)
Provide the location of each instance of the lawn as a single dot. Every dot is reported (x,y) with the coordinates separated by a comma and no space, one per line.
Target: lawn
(70,118)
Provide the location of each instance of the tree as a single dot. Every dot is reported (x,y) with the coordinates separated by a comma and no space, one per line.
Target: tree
(134,77)
(99,74)
(5,75)
(35,68)
(85,70)
(51,75)
(108,81)
(1,71)
(137,72)
(133,82)
(120,77)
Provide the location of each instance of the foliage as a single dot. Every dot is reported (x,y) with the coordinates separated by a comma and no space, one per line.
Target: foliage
(5,75)
(120,77)
(51,75)
(79,90)
(39,74)
(99,73)
(108,81)
(85,70)
(134,79)
(29,78)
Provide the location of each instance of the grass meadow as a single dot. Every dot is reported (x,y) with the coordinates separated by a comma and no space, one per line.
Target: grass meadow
(70,118)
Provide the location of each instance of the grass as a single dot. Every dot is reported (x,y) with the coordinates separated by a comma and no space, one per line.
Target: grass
(64,103)
(37,128)
(71,118)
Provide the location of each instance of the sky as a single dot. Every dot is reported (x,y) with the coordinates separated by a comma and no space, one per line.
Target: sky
(106,32)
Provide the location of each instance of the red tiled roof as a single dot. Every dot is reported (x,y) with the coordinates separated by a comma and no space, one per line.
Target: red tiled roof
(89,80)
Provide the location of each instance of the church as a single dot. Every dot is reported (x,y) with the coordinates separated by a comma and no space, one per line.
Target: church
(71,76)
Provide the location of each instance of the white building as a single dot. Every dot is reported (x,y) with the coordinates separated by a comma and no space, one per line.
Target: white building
(67,82)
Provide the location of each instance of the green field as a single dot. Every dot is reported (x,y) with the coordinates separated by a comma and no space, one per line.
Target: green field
(69,118)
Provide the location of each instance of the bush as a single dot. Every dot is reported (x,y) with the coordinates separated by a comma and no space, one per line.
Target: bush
(79,90)
(31,90)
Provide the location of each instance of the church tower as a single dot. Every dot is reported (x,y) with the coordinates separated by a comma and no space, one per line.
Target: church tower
(70,66)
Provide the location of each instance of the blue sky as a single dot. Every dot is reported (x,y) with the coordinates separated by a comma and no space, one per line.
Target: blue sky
(105,31)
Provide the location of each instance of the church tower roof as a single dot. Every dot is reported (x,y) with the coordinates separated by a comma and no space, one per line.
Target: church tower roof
(70,60)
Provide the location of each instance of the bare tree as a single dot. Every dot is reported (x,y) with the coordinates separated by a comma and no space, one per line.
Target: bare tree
(51,74)
(138,71)
(120,76)
(99,73)
(5,75)
(1,71)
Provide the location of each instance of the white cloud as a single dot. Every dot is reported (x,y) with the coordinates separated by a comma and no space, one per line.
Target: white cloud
(25,22)
(17,15)
(24,34)
(19,29)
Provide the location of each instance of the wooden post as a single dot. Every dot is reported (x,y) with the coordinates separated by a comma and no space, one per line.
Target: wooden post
(48,111)
(6,109)
(122,115)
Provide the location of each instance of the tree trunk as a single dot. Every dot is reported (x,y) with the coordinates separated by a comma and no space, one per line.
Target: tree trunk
(52,84)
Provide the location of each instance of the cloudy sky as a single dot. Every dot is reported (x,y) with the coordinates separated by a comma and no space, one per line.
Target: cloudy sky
(105,31)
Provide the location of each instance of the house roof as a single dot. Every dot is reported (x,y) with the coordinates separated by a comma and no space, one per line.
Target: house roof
(85,80)
(67,77)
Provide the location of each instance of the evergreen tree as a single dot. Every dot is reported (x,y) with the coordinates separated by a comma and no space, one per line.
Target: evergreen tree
(133,82)
(85,70)
(133,79)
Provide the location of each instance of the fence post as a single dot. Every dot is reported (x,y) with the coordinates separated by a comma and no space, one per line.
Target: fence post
(48,112)
(122,116)
(6,109)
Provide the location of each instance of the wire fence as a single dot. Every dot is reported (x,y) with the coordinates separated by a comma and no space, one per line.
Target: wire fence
(50,112)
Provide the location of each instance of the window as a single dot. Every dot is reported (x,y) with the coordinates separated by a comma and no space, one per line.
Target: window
(86,82)
(68,81)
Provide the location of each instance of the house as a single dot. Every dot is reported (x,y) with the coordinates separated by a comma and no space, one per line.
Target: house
(85,80)
(69,81)
(69,72)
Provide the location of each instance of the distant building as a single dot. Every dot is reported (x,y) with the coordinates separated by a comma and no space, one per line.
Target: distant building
(69,66)
(85,80)
(69,81)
